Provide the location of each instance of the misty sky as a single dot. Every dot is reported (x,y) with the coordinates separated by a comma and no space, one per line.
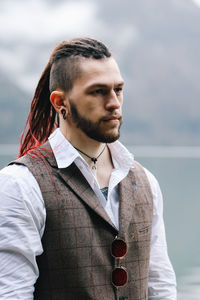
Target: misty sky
(197,2)
(32,25)
(29,27)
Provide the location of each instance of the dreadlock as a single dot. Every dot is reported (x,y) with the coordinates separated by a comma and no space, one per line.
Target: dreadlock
(60,72)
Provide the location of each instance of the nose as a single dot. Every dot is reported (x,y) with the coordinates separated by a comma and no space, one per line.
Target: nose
(112,101)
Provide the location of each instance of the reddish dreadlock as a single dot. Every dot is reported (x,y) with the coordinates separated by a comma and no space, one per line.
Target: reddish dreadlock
(60,72)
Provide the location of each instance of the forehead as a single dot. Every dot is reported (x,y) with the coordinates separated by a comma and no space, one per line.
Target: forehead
(99,71)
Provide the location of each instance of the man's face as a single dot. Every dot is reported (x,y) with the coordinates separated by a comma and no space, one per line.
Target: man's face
(96,98)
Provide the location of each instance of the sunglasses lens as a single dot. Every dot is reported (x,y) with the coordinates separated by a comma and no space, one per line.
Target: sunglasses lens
(119,248)
(119,277)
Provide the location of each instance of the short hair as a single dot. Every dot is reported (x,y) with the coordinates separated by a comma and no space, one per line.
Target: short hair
(66,61)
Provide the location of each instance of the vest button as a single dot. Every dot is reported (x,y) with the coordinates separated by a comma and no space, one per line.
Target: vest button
(131,236)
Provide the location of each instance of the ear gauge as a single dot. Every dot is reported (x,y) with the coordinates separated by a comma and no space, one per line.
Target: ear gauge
(63,112)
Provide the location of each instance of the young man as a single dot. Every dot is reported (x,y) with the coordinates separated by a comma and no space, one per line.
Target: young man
(77,196)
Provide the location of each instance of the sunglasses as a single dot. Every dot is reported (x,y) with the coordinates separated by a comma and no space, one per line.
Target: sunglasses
(118,251)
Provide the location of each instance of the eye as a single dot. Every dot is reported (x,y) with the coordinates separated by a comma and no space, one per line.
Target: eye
(118,90)
(98,92)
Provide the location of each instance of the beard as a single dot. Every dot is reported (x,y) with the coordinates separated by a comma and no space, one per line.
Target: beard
(94,130)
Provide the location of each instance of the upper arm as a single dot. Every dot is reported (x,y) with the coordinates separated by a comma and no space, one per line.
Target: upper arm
(162,280)
(21,226)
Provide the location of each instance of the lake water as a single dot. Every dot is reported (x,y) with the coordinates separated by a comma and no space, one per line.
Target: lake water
(178,172)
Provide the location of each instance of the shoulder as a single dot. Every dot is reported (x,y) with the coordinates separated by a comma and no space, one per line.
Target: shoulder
(156,192)
(20,194)
(154,186)
(153,182)
(152,179)
(17,182)
(17,175)
(146,176)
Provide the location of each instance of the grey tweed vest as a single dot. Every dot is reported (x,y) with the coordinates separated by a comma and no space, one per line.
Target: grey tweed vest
(77,263)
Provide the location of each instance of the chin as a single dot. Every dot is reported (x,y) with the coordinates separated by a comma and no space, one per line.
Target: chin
(103,135)
(108,138)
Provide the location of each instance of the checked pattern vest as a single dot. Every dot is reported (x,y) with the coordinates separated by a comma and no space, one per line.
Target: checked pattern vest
(77,261)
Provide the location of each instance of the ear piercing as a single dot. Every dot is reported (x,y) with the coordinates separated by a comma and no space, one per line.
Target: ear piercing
(63,112)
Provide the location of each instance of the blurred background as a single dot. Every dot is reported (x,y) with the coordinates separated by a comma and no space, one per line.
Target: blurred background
(157,46)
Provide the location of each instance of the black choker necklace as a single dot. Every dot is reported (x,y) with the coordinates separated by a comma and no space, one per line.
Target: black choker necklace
(93,159)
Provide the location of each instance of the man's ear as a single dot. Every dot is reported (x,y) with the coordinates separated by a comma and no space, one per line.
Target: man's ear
(57,99)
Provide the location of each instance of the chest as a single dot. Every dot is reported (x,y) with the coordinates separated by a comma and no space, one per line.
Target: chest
(103,175)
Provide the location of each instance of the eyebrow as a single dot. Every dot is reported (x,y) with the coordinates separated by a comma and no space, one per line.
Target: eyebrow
(100,85)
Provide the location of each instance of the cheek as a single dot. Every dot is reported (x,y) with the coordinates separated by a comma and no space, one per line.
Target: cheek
(90,112)
(121,99)
(121,104)
(94,109)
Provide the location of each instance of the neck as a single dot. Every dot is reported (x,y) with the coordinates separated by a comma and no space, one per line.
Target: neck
(83,142)
(93,148)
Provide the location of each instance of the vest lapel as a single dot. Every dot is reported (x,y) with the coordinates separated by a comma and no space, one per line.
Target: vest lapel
(77,182)
(127,203)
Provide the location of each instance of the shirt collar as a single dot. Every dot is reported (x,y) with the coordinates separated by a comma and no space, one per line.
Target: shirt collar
(121,157)
(65,154)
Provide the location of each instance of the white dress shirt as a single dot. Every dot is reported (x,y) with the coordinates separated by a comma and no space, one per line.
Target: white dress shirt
(22,221)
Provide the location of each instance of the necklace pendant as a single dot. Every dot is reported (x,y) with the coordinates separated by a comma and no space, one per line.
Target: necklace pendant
(93,159)
(94,170)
